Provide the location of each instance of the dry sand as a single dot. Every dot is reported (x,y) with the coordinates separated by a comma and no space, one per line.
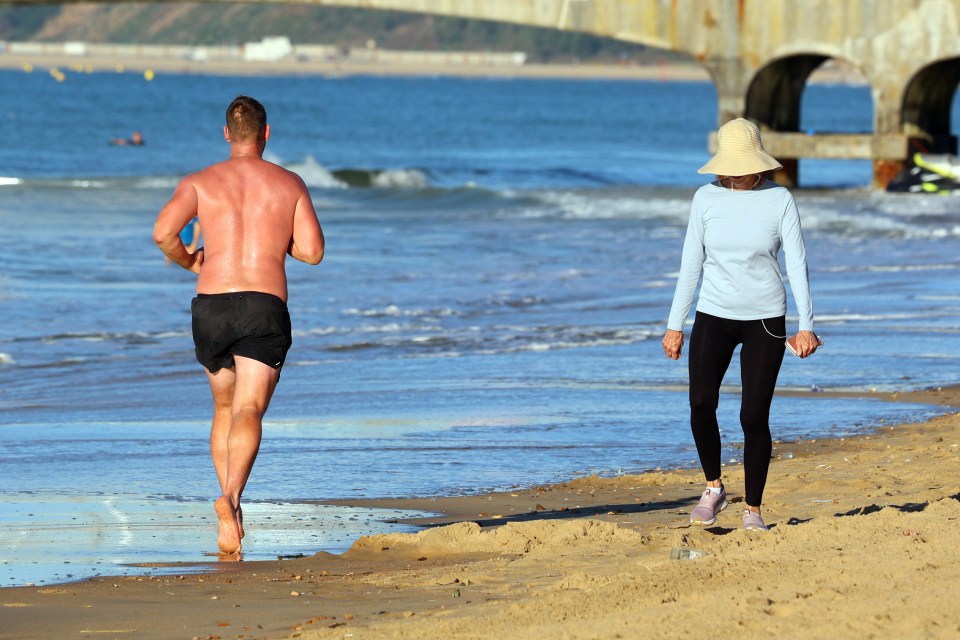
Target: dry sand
(863,545)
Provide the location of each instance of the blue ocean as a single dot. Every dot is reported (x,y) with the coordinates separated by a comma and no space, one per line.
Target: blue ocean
(501,257)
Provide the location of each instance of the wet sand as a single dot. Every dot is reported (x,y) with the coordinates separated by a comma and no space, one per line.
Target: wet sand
(863,544)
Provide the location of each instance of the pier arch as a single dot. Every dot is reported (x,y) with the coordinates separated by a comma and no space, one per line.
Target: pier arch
(778,99)
(927,105)
(773,96)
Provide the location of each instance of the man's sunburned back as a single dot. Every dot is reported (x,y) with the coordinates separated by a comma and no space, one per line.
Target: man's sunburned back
(246,208)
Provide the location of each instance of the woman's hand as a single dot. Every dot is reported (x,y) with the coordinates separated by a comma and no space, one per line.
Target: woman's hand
(807,343)
(673,343)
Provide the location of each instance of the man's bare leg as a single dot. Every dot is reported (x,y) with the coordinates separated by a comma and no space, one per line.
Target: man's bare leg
(221,387)
(235,446)
(252,392)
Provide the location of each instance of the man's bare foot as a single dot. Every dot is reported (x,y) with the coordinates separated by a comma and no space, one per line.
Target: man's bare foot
(228,533)
(240,520)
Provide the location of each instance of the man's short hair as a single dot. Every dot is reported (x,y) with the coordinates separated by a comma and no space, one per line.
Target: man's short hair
(246,119)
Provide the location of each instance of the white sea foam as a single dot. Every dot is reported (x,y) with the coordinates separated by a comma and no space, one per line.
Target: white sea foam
(597,205)
(494,340)
(389,311)
(317,331)
(312,172)
(857,215)
(164,335)
(316,175)
(158,182)
(840,318)
(88,184)
(400,179)
(393,311)
(891,268)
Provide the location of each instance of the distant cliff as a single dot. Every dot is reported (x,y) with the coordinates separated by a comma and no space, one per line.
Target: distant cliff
(213,24)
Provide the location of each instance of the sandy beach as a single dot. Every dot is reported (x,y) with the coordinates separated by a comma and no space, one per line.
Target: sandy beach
(346,68)
(863,545)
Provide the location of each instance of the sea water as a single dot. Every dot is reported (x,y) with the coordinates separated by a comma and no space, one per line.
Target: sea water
(501,257)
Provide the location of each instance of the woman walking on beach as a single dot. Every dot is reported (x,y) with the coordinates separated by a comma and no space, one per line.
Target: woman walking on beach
(738,225)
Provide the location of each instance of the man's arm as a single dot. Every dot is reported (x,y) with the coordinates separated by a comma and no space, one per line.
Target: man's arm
(174,216)
(307,243)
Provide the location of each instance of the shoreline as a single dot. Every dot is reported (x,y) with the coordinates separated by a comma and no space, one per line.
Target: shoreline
(667,72)
(590,558)
(348,68)
(515,508)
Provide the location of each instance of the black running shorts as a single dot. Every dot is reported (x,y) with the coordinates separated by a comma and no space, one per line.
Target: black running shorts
(244,323)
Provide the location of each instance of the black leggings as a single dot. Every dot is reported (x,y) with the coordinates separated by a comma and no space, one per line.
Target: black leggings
(712,343)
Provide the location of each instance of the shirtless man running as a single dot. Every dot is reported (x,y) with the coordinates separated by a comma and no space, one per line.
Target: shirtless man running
(252,213)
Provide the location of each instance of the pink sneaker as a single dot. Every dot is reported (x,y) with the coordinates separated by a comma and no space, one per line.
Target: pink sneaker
(753,522)
(710,505)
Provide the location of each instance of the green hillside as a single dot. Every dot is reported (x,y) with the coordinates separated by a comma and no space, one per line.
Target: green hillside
(228,24)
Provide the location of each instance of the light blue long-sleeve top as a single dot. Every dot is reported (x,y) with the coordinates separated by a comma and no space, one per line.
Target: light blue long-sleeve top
(733,239)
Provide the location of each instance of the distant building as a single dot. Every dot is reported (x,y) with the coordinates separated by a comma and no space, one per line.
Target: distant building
(269,49)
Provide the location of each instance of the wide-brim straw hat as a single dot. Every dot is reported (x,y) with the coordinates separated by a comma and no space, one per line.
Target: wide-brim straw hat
(740,151)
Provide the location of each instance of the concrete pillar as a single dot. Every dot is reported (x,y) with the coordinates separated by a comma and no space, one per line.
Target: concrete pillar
(727,78)
(887,119)
(789,175)
(732,80)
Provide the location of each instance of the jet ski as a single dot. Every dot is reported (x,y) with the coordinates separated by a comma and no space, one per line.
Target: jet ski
(930,173)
